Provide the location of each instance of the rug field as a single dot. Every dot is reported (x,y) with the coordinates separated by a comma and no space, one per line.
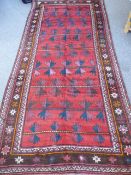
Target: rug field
(65,109)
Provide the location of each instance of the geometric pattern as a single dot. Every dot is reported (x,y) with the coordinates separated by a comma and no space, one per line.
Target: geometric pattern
(65,108)
(65,57)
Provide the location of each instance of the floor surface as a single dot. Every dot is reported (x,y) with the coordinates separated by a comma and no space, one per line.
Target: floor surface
(13,15)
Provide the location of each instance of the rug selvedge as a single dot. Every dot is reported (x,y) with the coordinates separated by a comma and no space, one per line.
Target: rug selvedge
(68,157)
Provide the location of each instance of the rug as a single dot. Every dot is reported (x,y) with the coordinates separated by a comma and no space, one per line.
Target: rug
(65,109)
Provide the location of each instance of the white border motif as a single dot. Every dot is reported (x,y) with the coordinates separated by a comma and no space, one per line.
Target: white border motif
(64,169)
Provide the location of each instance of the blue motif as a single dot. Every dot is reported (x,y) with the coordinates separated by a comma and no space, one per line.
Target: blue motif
(38,64)
(54,126)
(56,137)
(100,139)
(71,21)
(54,13)
(36,139)
(42,114)
(64,115)
(96,128)
(84,21)
(33,127)
(60,23)
(79,138)
(84,116)
(78,13)
(48,23)
(93,71)
(76,127)
(66,13)
(100,116)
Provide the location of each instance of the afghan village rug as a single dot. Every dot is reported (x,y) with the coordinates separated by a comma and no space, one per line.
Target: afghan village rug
(65,109)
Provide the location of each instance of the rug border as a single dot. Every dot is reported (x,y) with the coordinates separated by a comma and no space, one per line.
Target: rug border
(115,57)
(21,46)
(23,40)
(8,91)
(18,59)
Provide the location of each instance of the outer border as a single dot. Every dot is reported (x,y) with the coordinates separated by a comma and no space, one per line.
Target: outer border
(104,169)
(10,84)
(118,73)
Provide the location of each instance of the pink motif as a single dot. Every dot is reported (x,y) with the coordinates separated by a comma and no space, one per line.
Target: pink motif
(2,161)
(112,160)
(128,150)
(67,158)
(5,150)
